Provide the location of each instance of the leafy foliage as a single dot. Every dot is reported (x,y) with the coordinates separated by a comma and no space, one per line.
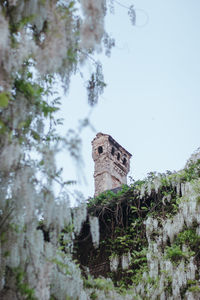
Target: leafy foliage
(125,218)
(175,253)
(31,64)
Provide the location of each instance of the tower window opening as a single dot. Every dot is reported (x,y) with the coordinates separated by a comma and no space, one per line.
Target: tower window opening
(100,149)
(113,151)
(124,161)
(118,156)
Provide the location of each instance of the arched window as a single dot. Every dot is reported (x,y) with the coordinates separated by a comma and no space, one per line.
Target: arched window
(118,156)
(124,161)
(113,151)
(100,149)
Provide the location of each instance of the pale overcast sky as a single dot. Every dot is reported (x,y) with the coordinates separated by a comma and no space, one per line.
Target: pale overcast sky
(151,105)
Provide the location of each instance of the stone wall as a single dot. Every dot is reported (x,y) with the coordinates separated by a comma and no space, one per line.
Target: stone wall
(112,163)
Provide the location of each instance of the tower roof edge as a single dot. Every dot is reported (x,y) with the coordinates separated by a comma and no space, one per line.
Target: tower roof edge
(112,141)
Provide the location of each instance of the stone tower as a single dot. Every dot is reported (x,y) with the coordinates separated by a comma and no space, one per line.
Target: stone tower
(112,163)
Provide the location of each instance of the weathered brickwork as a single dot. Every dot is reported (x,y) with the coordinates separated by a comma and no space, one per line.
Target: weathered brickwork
(112,163)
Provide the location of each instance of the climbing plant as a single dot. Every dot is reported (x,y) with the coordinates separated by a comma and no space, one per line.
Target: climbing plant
(146,227)
(42,43)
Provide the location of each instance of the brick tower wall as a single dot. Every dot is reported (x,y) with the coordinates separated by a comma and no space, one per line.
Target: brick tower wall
(112,163)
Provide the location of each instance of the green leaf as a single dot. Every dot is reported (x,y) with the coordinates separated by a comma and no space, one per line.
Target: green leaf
(3,127)
(144,208)
(71,4)
(4,99)
(35,135)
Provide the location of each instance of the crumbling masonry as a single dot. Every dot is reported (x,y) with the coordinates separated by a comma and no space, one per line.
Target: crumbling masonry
(112,163)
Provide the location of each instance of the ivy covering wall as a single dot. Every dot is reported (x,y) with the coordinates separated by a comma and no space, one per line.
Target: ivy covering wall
(149,243)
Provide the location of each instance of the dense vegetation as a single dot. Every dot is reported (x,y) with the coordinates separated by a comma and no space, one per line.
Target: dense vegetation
(42,43)
(134,219)
(145,238)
